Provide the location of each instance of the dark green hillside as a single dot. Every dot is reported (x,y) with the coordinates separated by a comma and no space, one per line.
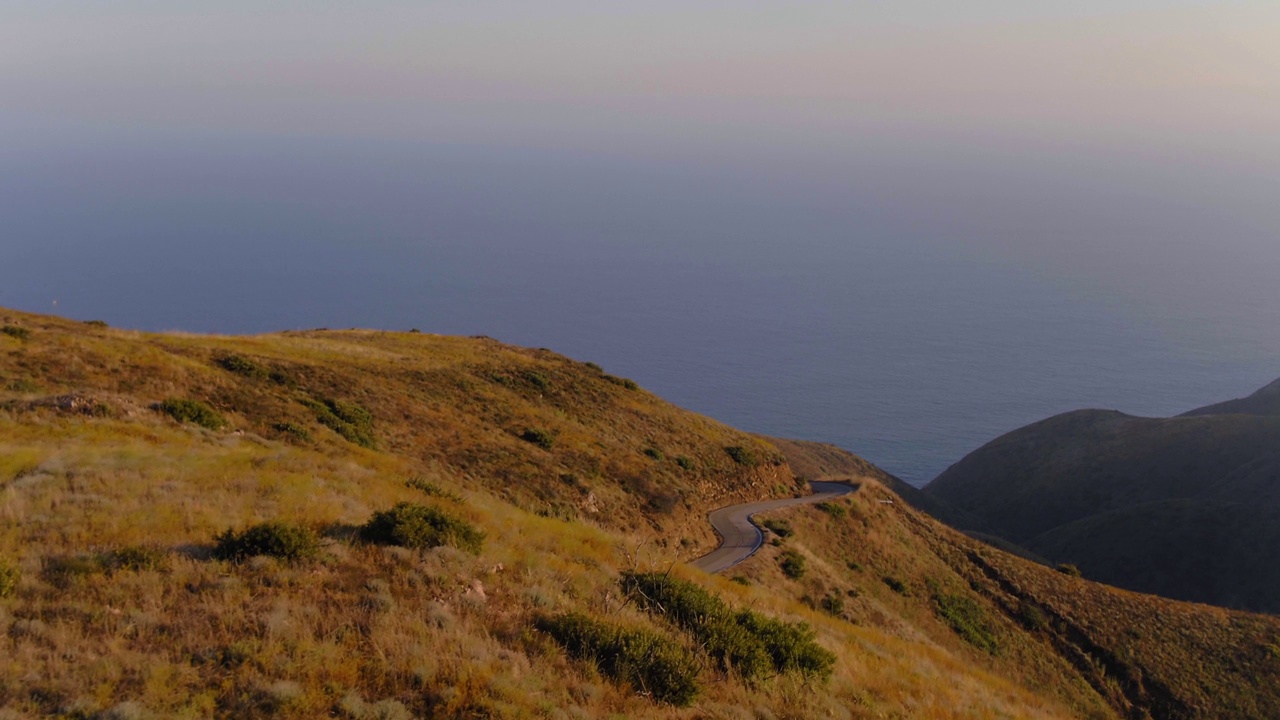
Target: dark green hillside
(1183,506)
(1075,465)
(1199,550)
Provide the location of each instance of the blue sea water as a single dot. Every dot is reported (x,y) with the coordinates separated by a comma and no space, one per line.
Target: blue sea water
(906,308)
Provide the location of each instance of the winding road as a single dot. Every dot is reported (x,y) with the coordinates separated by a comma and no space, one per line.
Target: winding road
(740,537)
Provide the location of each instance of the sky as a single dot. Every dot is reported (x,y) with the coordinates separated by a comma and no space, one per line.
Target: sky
(813,77)
(1037,130)
(488,167)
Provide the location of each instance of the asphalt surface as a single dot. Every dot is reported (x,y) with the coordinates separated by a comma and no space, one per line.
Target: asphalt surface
(740,537)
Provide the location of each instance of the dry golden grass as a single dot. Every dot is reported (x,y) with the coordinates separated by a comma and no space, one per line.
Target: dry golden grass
(88,469)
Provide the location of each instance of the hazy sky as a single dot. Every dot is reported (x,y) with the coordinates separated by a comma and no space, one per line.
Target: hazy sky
(810,77)
(1069,134)
(899,226)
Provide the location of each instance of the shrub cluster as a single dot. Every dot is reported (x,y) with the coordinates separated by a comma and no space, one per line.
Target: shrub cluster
(292,430)
(642,658)
(792,564)
(241,365)
(684,462)
(965,616)
(742,456)
(743,641)
(778,527)
(1069,569)
(626,383)
(834,509)
(539,381)
(193,411)
(420,526)
(541,438)
(15,332)
(276,539)
(350,420)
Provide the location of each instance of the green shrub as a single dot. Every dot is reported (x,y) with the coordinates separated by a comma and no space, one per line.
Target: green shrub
(430,489)
(711,622)
(684,462)
(832,604)
(241,365)
(742,456)
(965,616)
(137,557)
(792,564)
(419,526)
(275,539)
(627,383)
(778,527)
(654,454)
(15,332)
(1069,569)
(641,658)
(537,379)
(1031,616)
(791,646)
(96,323)
(835,510)
(594,366)
(741,580)
(9,577)
(292,430)
(896,585)
(541,438)
(745,642)
(193,411)
(350,420)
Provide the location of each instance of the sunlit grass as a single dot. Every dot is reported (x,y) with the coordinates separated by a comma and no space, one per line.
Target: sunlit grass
(434,631)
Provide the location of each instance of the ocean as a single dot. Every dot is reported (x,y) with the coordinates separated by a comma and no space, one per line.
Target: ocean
(904,303)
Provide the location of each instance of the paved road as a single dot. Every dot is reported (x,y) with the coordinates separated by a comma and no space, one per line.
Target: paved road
(739,535)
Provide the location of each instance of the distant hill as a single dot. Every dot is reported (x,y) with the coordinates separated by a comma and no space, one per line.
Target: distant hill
(1264,402)
(1186,507)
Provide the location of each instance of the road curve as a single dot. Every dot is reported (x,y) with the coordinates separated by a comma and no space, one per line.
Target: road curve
(740,537)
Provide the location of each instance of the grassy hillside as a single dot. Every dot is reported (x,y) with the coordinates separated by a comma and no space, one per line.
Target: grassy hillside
(367,524)
(1180,506)
(822,461)
(875,562)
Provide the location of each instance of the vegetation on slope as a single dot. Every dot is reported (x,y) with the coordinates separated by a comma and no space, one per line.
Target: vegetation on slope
(1099,650)
(150,565)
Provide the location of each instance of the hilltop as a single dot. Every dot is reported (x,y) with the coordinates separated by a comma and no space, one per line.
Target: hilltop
(1185,507)
(1263,402)
(369,524)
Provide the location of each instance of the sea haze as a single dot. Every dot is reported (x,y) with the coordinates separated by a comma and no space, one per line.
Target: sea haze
(898,227)
(813,302)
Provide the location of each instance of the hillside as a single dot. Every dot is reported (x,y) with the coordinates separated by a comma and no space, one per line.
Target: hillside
(367,524)
(1263,402)
(1183,507)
